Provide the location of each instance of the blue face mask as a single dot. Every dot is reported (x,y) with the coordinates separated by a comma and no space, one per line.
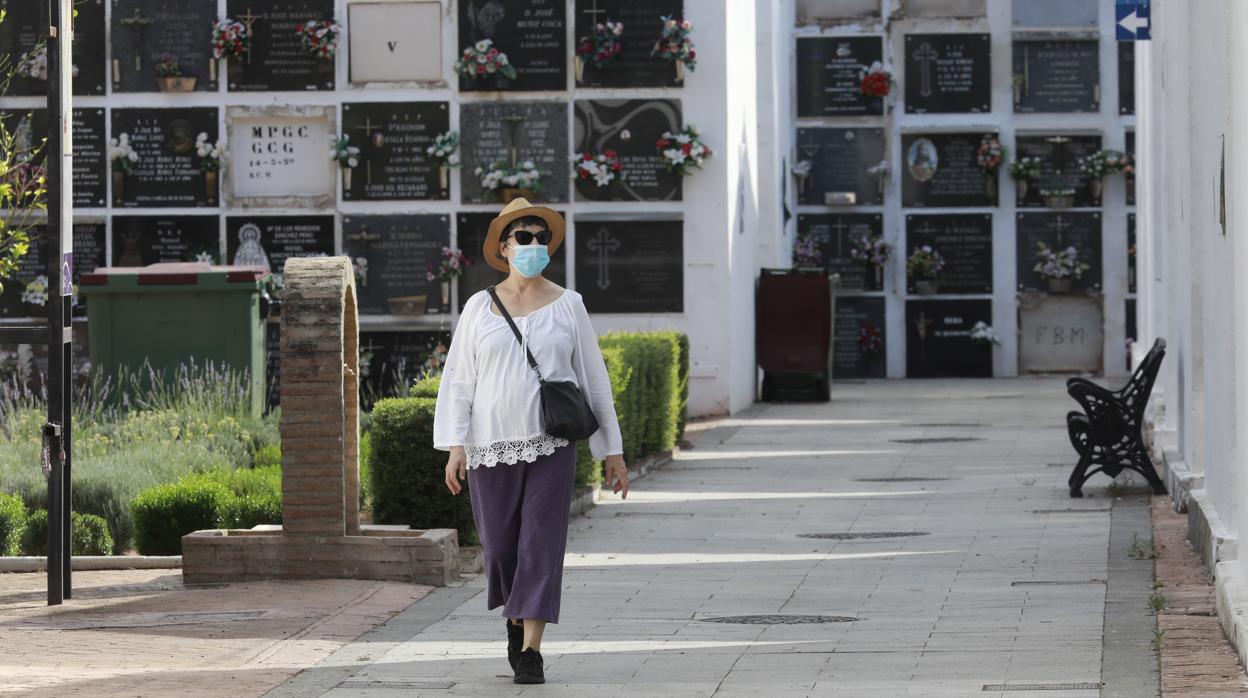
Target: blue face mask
(530,260)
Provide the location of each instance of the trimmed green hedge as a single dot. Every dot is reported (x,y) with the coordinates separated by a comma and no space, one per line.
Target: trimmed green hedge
(12,523)
(100,498)
(89,535)
(649,407)
(240,498)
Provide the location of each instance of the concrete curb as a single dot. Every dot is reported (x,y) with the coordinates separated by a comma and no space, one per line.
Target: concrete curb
(94,562)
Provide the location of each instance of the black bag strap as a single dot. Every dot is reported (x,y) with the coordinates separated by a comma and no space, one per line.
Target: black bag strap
(515,330)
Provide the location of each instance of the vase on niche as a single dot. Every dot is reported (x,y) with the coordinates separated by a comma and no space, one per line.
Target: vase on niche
(346,179)
(926,287)
(179,83)
(119,187)
(444,176)
(1022,188)
(1059,285)
(508,194)
(680,71)
(580,69)
(446,293)
(990,186)
(1058,201)
(1095,186)
(210,184)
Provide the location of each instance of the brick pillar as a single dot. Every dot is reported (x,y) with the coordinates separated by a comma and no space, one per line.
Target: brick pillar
(351,408)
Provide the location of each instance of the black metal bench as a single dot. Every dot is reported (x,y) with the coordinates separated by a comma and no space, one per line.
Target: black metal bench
(1108,434)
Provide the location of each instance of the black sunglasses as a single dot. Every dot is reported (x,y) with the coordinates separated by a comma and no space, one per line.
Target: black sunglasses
(525,237)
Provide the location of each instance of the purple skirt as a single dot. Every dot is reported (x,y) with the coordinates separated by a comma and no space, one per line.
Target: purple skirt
(521,512)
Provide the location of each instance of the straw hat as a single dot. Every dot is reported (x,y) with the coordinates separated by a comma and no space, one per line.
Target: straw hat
(519,208)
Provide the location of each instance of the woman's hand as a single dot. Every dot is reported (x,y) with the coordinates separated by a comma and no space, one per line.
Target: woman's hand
(456,467)
(616,470)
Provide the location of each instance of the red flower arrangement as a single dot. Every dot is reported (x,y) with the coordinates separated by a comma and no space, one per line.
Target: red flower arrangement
(876,82)
(870,341)
(604,168)
(229,39)
(601,47)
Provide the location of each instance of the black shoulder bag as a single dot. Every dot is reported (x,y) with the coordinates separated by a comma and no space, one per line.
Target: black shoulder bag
(565,412)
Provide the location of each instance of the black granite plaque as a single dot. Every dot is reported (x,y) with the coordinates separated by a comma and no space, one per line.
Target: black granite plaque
(88,244)
(834,236)
(1129,177)
(1126,77)
(30,128)
(630,127)
(948,73)
(398,251)
(277,59)
(1057,76)
(631,266)
(21,38)
(852,357)
(842,158)
(393,138)
(829,75)
(269,241)
(142,240)
(391,361)
(938,339)
(939,169)
(513,133)
(1078,229)
(1130,253)
(633,66)
(89,253)
(964,241)
(168,172)
(143,30)
(470,234)
(533,34)
(1059,167)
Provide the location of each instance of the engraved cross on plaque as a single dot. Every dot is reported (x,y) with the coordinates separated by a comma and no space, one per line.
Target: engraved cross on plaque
(839,228)
(137,23)
(593,14)
(1060,226)
(926,56)
(367,128)
(927,228)
(513,123)
(603,243)
(248,19)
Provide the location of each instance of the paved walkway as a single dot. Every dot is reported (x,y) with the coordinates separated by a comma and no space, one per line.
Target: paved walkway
(1002,585)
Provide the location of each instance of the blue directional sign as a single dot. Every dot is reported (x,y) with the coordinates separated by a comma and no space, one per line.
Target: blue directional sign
(1133,19)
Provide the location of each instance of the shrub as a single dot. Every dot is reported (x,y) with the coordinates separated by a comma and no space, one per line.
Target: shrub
(588,469)
(366,471)
(89,535)
(266,456)
(163,514)
(408,473)
(12,523)
(91,495)
(647,406)
(426,387)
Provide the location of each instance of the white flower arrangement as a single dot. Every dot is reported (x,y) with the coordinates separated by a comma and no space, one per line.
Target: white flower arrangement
(445,149)
(342,152)
(210,154)
(498,175)
(36,292)
(880,170)
(803,168)
(982,333)
(121,153)
(683,151)
(603,168)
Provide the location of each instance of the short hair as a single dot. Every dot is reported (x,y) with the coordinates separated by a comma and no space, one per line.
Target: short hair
(524,220)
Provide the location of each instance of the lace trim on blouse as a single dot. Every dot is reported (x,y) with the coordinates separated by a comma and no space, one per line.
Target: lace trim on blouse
(510,452)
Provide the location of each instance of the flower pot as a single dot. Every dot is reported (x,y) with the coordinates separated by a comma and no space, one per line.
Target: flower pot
(1095,187)
(346,179)
(210,184)
(444,176)
(1059,201)
(325,65)
(408,305)
(35,310)
(446,293)
(925,287)
(580,69)
(181,83)
(212,69)
(1059,285)
(119,187)
(879,275)
(1022,186)
(680,71)
(508,194)
(990,186)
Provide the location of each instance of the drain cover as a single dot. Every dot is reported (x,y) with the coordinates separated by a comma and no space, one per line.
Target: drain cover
(1044,686)
(1058,583)
(394,685)
(780,619)
(869,535)
(902,479)
(936,440)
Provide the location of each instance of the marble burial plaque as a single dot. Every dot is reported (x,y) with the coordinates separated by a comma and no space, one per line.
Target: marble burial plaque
(88,254)
(1129,177)
(842,158)
(143,30)
(835,235)
(1130,253)
(168,172)
(1061,334)
(277,59)
(938,339)
(390,361)
(948,73)
(1078,229)
(1056,76)
(514,132)
(533,34)
(964,241)
(470,235)
(829,75)
(631,266)
(397,252)
(142,240)
(268,241)
(90,162)
(939,169)
(395,41)
(392,138)
(1126,77)
(277,154)
(630,127)
(850,357)
(25,24)
(1059,167)
(633,66)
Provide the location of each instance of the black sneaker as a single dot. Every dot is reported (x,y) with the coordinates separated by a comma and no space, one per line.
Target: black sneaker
(529,667)
(515,640)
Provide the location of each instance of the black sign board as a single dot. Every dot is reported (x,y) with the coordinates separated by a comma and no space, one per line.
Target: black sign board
(276,59)
(1059,231)
(841,159)
(1130,253)
(393,138)
(855,353)
(168,171)
(631,266)
(144,30)
(964,241)
(513,133)
(268,241)
(939,169)
(1059,168)
(533,35)
(829,75)
(834,236)
(630,127)
(16,300)
(1057,76)
(30,128)
(393,254)
(1126,77)
(1129,177)
(24,27)
(948,73)
(633,65)
(938,339)
(470,234)
(142,240)
(391,361)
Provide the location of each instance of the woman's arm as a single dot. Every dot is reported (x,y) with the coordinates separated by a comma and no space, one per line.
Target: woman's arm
(591,374)
(453,411)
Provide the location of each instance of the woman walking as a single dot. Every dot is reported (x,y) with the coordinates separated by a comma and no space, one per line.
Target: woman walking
(489,417)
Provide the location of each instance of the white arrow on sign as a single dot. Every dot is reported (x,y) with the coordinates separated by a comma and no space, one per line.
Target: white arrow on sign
(1133,23)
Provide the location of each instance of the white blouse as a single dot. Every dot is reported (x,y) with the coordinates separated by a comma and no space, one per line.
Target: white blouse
(488,400)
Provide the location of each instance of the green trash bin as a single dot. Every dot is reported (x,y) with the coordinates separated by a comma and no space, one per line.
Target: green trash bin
(178,313)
